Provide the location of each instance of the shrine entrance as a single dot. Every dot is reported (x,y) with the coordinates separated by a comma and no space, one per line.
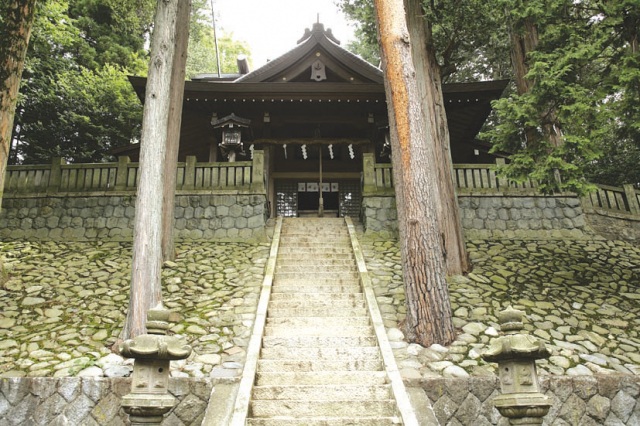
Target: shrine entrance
(320,179)
(302,198)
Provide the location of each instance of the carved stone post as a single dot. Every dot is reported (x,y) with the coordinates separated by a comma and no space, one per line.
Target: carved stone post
(521,400)
(149,399)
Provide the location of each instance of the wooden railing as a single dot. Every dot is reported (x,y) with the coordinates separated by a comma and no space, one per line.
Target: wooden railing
(614,199)
(483,179)
(467,177)
(124,176)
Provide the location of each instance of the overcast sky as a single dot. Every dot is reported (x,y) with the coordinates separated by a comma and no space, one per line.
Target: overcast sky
(272,27)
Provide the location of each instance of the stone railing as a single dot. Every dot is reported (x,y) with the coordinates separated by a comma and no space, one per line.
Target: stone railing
(124,176)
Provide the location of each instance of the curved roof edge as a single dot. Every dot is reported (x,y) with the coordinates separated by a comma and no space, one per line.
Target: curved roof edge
(318,36)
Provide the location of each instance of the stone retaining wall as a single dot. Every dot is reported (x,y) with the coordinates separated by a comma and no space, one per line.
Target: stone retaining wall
(111,217)
(615,226)
(583,400)
(493,216)
(91,401)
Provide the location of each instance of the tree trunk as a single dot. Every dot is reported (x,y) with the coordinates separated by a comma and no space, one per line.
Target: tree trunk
(146,287)
(430,91)
(427,297)
(17,18)
(524,40)
(173,131)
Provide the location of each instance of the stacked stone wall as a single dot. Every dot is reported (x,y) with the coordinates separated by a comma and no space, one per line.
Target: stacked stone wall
(111,217)
(92,401)
(494,216)
(615,226)
(583,400)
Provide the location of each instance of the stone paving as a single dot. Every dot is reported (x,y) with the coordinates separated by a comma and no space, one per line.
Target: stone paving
(62,306)
(582,299)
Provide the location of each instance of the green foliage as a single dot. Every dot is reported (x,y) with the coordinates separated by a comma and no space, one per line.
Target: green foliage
(584,87)
(75,100)
(466,51)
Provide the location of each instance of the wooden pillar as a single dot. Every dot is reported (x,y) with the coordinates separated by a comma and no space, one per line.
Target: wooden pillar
(55,176)
(502,182)
(257,173)
(190,172)
(368,170)
(632,198)
(123,173)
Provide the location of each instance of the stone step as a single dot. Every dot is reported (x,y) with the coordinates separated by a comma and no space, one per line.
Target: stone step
(303,257)
(320,322)
(318,276)
(316,331)
(335,354)
(363,378)
(316,297)
(324,393)
(297,408)
(328,311)
(315,300)
(316,288)
(314,251)
(325,421)
(316,261)
(309,365)
(318,341)
(315,268)
(296,303)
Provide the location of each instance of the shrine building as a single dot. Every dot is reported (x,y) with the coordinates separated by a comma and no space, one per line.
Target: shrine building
(315,112)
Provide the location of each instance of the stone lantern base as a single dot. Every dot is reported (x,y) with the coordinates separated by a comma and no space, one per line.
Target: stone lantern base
(523,408)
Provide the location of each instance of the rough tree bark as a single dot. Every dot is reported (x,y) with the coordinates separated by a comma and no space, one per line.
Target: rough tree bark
(173,131)
(524,40)
(146,287)
(427,296)
(14,39)
(429,87)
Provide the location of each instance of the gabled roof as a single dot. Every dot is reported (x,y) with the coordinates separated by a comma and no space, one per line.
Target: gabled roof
(316,44)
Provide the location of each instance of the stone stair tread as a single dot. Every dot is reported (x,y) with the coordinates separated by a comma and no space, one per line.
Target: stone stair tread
(316,296)
(298,303)
(309,408)
(316,288)
(311,331)
(316,341)
(319,321)
(284,353)
(324,421)
(371,363)
(321,378)
(328,311)
(323,392)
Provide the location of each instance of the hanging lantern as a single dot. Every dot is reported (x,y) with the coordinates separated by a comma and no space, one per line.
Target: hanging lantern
(231,140)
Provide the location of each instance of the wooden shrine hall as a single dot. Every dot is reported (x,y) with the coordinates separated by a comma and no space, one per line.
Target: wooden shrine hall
(313,111)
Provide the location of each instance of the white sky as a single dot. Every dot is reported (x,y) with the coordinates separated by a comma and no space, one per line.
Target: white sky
(272,27)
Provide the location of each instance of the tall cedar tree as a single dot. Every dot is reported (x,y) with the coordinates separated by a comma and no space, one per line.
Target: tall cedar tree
(16,17)
(428,318)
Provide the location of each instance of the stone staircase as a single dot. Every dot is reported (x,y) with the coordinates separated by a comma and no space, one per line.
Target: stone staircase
(320,363)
